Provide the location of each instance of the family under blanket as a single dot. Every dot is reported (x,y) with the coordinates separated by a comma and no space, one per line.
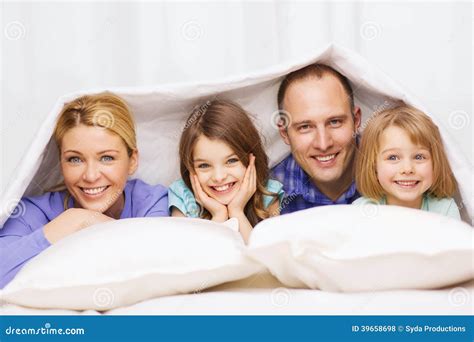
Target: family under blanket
(398,160)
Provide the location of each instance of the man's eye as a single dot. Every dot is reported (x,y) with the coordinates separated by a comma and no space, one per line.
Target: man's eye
(74,160)
(335,122)
(203,166)
(107,158)
(303,128)
(232,161)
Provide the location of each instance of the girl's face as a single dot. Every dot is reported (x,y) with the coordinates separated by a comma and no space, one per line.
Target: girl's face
(218,168)
(95,165)
(404,170)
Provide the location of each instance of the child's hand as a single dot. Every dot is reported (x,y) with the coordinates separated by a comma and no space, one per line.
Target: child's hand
(246,190)
(217,210)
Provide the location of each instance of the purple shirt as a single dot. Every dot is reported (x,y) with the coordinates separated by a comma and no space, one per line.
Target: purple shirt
(22,237)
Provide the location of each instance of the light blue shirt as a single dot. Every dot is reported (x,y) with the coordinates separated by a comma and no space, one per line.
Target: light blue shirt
(445,206)
(181,197)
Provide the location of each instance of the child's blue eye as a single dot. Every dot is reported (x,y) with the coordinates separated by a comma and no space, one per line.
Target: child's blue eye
(74,160)
(107,158)
(392,157)
(203,166)
(420,157)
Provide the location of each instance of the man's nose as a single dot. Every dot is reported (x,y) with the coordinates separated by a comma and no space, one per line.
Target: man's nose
(323,139)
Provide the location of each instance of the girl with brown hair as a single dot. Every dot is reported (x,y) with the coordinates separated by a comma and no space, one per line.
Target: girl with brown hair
(224,169)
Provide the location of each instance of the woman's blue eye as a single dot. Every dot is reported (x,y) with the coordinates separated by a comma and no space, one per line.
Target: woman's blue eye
(107,158)
(74,160)
(232,161)
(203,166)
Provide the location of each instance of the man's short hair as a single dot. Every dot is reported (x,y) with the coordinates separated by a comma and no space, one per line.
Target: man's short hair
(317,71)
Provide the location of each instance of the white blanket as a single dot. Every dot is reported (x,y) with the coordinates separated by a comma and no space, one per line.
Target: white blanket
(264,295)
(160,113)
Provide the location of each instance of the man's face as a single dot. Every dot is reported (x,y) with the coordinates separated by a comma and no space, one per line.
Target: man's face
(321,131)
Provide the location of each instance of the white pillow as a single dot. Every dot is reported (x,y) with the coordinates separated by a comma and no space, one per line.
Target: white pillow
(126,261)
(364,248)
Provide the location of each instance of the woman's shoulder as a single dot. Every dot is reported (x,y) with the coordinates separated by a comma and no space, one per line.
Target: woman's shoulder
(49,201)
(144,200)
(44,207)
(141,189)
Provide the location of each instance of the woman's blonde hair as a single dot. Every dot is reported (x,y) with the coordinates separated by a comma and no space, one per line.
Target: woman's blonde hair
(105,110)
(422,131)
(229,122)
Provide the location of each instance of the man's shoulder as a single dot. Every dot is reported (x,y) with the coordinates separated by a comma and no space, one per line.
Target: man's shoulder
(280,170)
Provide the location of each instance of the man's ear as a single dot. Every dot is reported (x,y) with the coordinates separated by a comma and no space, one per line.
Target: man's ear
(284,134)
(133,166)
(357,118)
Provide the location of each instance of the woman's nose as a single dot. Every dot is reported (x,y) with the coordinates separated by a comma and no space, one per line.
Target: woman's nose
(92,173)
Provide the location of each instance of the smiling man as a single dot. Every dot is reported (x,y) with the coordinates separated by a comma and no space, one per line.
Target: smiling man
(317,106)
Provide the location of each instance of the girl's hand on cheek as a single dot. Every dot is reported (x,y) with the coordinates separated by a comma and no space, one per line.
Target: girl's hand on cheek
(217,210)
(246,190)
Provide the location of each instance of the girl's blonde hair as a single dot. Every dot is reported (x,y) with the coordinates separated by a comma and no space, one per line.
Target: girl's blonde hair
(230,123)
(422,131)
(105,110)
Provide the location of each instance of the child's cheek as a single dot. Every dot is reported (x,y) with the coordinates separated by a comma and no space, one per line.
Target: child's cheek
(202,178)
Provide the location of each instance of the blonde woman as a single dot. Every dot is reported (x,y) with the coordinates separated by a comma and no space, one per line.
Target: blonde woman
(95,135)
(401,161)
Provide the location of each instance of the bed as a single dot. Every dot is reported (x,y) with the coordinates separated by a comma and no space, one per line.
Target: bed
(283,271)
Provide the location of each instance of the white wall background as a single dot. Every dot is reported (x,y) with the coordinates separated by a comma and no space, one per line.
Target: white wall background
(52,48)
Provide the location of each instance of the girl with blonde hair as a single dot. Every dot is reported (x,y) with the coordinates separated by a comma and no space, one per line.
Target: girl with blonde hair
(401,161)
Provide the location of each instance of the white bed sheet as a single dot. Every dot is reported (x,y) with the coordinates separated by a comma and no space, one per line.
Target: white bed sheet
(264,295)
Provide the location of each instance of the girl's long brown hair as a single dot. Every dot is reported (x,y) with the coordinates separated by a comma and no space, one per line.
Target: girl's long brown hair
(230,123)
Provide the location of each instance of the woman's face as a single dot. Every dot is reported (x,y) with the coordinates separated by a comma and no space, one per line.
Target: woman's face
(95,165)
(218,168)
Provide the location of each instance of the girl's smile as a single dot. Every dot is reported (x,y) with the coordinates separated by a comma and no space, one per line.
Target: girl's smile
(404,170)
(219,170)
